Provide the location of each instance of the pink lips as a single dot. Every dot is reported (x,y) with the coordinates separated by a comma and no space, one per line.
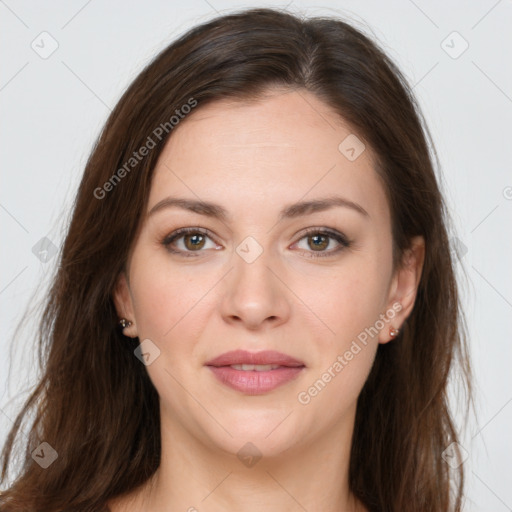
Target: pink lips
(253,382)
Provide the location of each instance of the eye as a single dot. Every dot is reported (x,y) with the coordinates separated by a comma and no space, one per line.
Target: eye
(319,239)
(193,240)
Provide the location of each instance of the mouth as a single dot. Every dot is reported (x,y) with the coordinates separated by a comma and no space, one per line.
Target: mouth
(255,373)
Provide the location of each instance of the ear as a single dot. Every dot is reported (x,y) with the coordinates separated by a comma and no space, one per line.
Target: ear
(404,287)
(124,304)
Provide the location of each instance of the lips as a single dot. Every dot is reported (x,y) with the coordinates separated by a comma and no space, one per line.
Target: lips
(255,373)
(266,357)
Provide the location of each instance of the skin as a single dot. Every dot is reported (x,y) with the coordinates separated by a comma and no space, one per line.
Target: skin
(254,158)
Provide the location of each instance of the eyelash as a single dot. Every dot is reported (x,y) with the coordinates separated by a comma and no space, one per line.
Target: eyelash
(179,233)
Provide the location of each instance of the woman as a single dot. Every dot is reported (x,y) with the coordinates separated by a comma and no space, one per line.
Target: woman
(255,307)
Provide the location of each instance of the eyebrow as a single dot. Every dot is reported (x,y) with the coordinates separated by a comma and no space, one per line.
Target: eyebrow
(291,211)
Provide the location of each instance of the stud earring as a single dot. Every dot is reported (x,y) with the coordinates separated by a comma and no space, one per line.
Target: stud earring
(393,332)
(125,323)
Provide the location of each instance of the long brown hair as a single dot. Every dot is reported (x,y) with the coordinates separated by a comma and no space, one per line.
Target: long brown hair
(95,405)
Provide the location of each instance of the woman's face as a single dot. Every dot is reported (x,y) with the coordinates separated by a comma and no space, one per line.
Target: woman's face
(312,283)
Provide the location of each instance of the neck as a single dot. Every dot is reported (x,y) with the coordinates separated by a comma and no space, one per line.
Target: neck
(193,477)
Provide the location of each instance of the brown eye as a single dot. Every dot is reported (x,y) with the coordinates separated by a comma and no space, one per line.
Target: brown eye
(319,240)
(186,241)
(195,241)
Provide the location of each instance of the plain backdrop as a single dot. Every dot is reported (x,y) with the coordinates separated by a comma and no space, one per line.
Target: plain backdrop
(64,65)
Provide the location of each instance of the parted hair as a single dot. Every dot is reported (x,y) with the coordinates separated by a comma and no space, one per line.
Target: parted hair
(94,402)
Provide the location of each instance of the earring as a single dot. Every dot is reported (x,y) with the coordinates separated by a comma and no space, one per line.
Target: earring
(393,332)
(125,323)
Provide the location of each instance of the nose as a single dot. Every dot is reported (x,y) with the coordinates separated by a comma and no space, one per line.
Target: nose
(255,295)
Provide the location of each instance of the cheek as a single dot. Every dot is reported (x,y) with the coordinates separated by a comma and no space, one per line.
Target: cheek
(171,308)
(343,301)
(349,304)
(165,296)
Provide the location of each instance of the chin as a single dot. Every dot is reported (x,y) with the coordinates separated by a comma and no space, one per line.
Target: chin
(266,433)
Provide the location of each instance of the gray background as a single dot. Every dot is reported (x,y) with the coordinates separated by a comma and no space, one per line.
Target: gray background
(54,105)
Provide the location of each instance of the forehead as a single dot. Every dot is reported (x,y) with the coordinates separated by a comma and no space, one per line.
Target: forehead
(279,149)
